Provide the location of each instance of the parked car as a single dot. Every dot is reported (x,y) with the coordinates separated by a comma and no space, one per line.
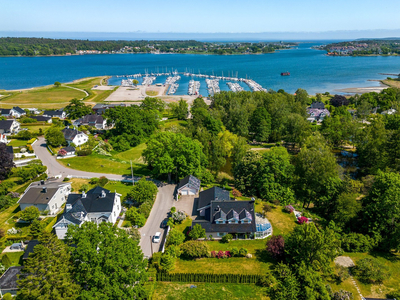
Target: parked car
(157,237)
(164,223)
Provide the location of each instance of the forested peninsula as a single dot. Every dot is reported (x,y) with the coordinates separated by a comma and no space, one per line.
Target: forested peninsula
(10,46)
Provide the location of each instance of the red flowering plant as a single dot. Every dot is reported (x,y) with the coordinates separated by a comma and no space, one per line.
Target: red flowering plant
(236,193)
(289,208)
(220,254)
(302,220)
(213,254)
(227,254)
(62,152)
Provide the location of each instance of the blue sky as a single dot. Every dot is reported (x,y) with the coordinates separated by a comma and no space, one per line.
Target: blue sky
(198,16)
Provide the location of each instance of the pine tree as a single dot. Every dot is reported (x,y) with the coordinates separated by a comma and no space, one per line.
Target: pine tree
(36,228)
(47,273)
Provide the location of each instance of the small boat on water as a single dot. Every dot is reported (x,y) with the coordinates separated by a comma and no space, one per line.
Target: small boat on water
(285,74)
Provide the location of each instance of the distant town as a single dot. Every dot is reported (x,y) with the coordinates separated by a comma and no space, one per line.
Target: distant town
(363,47)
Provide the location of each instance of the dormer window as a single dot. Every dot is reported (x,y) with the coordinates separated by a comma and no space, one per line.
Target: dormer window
(220,221)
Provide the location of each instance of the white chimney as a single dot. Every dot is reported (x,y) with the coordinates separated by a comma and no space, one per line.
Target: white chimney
(103,194)
(83,194)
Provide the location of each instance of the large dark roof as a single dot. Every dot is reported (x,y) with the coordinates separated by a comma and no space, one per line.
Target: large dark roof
(91,119)
(69,134)
(214,193)
(220,209)
(9,279)
(40,118)
(69,149)
(5,111)
(102,107)
(36,195)
(53,112)
(318,104)
(6,124)
(19,110)
(192,181)
(29,248)
(93,202)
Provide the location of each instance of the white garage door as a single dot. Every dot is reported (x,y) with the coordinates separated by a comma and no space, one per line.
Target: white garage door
(184,192)
(192,192)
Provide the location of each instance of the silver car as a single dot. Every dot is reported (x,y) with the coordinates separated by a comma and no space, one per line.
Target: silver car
(157,237)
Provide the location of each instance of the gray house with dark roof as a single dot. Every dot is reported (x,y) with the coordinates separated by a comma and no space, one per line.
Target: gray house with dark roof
(45,195)
(92,120)
(75,136)
(97,205)
(189,185)
(8,281)
(55,113)
(220,215)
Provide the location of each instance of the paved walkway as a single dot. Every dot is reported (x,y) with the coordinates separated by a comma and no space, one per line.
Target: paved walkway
(74,88)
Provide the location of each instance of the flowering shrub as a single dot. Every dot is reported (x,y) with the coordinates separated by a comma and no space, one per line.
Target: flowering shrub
(289,208)
(178,216)
(302,220)
(62,152)
(236,193)
(221,254)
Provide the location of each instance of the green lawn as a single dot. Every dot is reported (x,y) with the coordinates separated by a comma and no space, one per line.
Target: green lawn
(17,143)
(7,214)
(100,164)
(94,95)
(173,124)
(253,246)
(15,258)
(281,221)
(182,291)
(390,284)
(44,97)
(35,128)
(134,154)
(121,187)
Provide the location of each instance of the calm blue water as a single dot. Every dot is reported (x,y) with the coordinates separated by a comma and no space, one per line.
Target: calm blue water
(310,69)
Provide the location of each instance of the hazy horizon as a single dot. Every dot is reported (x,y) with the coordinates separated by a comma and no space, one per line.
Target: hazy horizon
(215,36)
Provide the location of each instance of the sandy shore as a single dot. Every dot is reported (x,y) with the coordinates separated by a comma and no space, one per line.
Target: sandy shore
(361,90)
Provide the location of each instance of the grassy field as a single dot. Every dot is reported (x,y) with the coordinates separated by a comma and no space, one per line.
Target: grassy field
(134,154)
(390,284)
(173,125)
(15,258)
(17,143)
(121,187)
(183,291)
(392,83)
(151,93)
(88,84)
(282,222)
(101,164)
(42,97)
(36,128)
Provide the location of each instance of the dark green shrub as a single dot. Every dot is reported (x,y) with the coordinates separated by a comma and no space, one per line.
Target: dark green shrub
(175,237)
(226,238)
(103,181)
(94,180)
(85,152)
(173,209)
(197,232)
(6,261)
(235,251)
(357,242)
(7,296)
(243,252)
(167,262)
(194,249)
(370,270)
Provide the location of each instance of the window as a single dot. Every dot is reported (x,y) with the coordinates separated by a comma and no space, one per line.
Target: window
(55,205)
(115,214)
(93,219)
(221,233)
(219,222)
(234,221)
(245,221)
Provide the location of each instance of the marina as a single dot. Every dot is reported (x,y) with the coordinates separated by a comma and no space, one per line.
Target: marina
(234,87)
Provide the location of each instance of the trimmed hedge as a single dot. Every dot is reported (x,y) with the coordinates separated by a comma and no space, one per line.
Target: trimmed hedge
(208,277)
(49,227)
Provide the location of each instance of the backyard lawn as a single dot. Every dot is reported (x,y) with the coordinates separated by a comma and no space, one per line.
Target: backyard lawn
(281,221)
(183,291)
(392,261)
(134,154)
(121,187)
(100,164)
(17,143)
(15,257)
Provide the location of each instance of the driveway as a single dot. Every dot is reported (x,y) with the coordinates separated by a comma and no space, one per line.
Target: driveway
(161,207)
(188,204)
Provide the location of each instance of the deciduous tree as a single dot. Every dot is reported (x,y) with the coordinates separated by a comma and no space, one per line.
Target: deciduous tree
(6,162)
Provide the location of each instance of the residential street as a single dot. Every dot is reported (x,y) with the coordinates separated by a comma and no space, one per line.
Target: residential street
(161,207)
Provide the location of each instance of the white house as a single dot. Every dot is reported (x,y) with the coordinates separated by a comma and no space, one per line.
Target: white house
(97,205)
(9,126)
(46,196)
(189,185)
(75,136)
(18,112)
(3,138)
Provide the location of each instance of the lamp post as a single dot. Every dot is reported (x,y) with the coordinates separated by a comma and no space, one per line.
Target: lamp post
(151,245)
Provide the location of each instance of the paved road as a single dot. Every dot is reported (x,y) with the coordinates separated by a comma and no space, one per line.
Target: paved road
(161,207)
(55,168)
